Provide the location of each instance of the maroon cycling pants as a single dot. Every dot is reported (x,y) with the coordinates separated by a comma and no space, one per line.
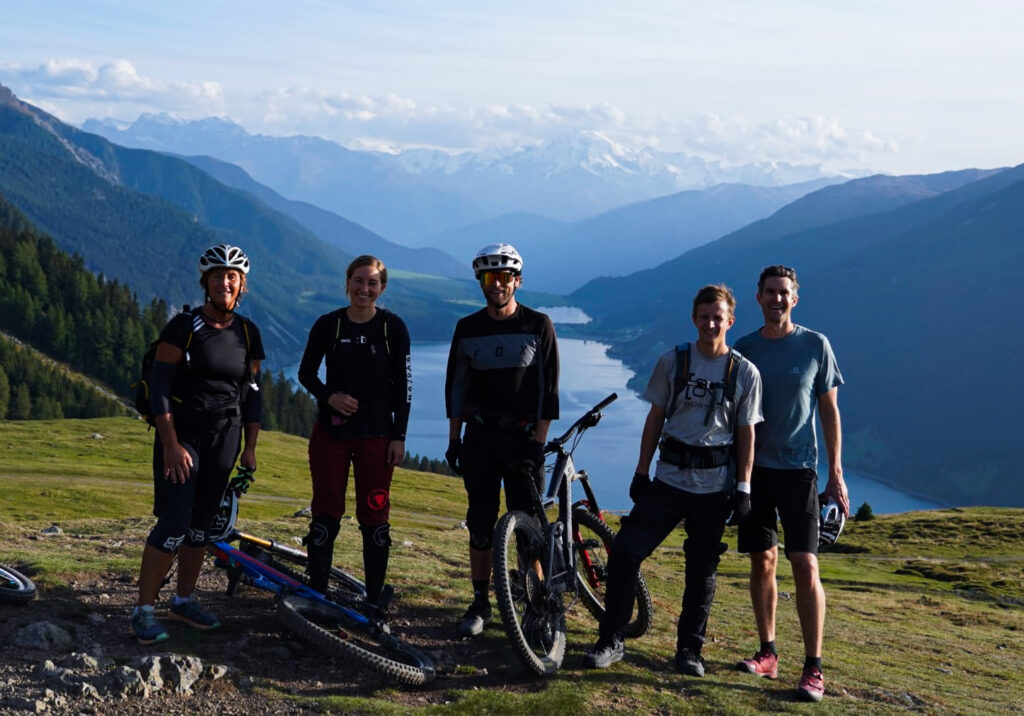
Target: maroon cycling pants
(329,461)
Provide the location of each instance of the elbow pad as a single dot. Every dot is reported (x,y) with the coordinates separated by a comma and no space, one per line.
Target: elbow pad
(161,382)
(252,404)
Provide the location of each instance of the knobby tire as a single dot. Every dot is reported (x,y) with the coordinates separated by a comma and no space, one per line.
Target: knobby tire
(15,587)
(535,624)
(592,572)
(327,627)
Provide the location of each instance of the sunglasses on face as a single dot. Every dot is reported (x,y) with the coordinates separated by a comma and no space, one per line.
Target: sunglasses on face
(489,278)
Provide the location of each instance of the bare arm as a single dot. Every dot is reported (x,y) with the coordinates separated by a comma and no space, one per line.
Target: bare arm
(828,407)
(177,460)
(649,438)
(251,431)
(454,429)
(744,452)
(541,432)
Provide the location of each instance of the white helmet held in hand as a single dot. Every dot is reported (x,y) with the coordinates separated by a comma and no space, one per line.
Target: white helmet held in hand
(830,521)
(223,256)
(497,257)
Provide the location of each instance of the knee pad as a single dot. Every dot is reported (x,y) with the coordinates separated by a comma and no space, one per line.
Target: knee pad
(480,542)
(323,529)
(376,535)
(169,531)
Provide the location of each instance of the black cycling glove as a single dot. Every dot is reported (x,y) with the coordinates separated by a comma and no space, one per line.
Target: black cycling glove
(454,454)
(639,486)
(740,507)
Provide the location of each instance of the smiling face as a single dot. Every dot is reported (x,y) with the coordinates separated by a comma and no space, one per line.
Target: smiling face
(364,286)
(223,287)
(499,287)
(777,297)
(712,321)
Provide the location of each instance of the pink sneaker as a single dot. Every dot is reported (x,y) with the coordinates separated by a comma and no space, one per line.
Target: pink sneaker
(812,685)
(764,663)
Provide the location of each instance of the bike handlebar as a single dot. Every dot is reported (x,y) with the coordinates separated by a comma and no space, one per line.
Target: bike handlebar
(587,420)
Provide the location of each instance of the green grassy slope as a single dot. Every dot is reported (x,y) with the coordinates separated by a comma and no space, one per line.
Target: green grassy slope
(925,609)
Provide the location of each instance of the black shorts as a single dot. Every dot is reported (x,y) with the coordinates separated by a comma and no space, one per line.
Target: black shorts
(793,496)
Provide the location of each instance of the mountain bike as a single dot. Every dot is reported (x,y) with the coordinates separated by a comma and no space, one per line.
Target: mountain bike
(542,567)
(335,622)
(15,587)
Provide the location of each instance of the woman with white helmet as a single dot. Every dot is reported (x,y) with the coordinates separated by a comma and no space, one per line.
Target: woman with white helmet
(203,398)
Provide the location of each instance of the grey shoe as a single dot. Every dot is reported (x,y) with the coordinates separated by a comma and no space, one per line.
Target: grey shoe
(475,619)
(689,662)
(147,629)
(191,613)
(605,652)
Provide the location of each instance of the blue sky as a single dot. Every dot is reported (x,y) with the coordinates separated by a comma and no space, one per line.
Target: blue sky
(901,87)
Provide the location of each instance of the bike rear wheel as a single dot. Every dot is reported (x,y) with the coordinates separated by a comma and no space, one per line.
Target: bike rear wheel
(15,587)
(534,619)
(341,586)
(593,542)
(333,629)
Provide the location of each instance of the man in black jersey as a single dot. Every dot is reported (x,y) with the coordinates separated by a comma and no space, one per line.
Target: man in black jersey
(502,383)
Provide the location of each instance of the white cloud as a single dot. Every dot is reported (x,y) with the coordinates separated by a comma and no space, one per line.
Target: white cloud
(114,84)
(75,89)
(798,140)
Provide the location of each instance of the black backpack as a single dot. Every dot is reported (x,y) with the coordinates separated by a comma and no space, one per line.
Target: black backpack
(142,385)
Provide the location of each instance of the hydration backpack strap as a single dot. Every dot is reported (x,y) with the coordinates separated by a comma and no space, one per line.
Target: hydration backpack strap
(682,372)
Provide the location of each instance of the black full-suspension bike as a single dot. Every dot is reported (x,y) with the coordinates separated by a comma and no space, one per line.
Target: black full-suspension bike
(542,566)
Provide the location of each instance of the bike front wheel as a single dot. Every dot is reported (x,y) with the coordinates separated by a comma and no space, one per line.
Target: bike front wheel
(15,587)
(335,629)
(534,617)
(593,541)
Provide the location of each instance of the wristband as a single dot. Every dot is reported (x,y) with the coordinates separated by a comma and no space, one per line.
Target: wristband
(743,487)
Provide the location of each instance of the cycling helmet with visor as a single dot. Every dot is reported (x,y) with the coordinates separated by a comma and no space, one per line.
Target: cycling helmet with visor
(223,256)
(830,521)
(497,257)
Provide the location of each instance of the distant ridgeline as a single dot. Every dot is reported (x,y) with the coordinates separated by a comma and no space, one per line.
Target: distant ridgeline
(68,315)
(143,217)
(916,281)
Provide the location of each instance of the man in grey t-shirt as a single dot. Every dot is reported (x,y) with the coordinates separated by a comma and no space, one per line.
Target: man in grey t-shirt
(704,420)
(799,373)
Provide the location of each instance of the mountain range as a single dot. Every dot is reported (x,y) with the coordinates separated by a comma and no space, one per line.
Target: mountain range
(417,193)
(143,217)
(562,257)
(913,279)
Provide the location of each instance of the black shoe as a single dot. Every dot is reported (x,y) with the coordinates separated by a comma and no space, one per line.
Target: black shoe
(604,653)
(475,619)
(689,663)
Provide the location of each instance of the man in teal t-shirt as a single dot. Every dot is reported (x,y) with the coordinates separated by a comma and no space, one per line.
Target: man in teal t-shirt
(798,373)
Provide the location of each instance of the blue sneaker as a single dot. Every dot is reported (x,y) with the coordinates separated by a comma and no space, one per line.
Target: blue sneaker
(193,614)
(147,629)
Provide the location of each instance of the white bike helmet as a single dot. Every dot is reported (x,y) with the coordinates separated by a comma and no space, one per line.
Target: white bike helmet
(223,255)
(497,257)
(830,521)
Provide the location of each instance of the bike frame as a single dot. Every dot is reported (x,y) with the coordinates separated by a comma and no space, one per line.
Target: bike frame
(560,559)
(263,576)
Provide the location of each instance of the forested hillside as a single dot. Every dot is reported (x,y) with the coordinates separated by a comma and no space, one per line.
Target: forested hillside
(51,302)
(142,218)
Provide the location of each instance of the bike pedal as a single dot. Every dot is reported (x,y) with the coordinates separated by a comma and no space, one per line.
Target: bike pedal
(589,544)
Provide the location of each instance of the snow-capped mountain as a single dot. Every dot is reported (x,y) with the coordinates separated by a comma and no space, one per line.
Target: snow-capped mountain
(420,192)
